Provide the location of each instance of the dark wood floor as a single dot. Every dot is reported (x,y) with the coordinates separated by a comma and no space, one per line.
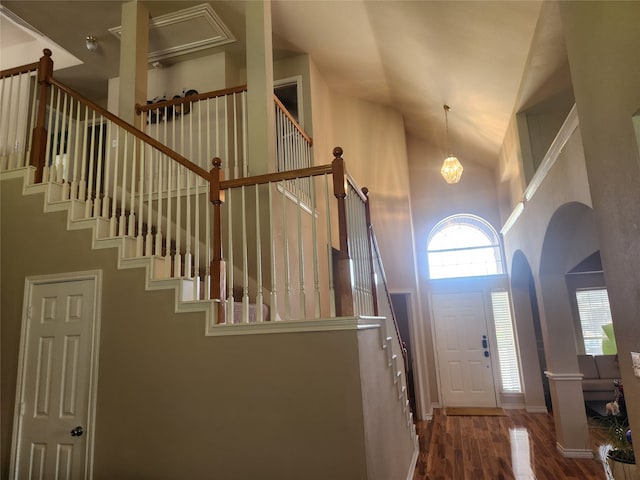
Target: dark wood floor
(477,448)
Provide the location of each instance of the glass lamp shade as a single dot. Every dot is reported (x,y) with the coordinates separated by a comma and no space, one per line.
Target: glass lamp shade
(451,169)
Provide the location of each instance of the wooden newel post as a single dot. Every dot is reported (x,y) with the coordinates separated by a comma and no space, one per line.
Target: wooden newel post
(374,289)
(217,267)
(343,276)
(39,134)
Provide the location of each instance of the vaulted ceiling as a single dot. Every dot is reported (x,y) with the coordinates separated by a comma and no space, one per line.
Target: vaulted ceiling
(486,59)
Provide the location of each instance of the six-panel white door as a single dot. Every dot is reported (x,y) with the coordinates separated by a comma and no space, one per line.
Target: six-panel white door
(56,370)
(466,372)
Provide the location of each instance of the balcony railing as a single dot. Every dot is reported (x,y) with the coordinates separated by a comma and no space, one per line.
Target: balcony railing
(251,244)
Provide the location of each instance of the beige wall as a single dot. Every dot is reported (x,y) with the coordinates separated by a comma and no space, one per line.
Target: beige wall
(390,448)
(170,399)
(554,233)
(603,43)
(205,74)
(375,152)
(432,199)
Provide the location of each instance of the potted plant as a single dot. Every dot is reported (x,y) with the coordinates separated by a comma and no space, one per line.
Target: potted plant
(620,457)
(619,437)
(619,452)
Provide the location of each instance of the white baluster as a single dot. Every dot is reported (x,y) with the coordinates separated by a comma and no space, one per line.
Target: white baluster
(287,284)
(89,200)
(4,125)
(170,168)
(177,258)
(273,301)
(245,261)
(314,236)
(140,172)
(63,175)
(83,154)
(236,170)
(259,297)
(303,303)
(327,208)
(114,194)
(107,173)
(34,102)
(131,227)
(76,158)
(148,247)
(47,175)
(245,156)
(230,268)
(188,259)
(207,265)
(123,190)
(97,206)
(161,173)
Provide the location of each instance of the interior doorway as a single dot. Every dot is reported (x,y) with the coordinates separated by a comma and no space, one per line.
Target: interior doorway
(53,423)
(464,350)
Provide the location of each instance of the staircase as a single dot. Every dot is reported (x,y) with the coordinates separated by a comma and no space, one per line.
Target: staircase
(252,255)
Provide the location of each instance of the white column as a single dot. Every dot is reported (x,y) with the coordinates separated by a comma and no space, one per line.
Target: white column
(134,47)
(261,114)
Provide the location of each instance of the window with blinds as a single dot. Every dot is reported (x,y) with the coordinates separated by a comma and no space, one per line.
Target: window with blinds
(507,355)
(594,311)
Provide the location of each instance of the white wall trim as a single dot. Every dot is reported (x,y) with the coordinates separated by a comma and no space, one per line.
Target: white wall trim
(564,377)
(565,132)
(537,409)
(296,326)
(30,283)
(414,460)
(574,452)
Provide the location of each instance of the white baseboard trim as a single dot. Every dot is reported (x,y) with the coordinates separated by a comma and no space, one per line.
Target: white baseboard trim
(414,461)
(537,409)
(574,452)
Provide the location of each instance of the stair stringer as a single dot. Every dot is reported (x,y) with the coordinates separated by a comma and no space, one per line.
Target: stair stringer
(51,203)
(395,363)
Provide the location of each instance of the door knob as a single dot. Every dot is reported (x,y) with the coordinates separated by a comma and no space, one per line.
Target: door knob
(77,432)
(485,343)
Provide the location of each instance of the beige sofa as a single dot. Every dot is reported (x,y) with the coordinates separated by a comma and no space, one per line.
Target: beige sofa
(600,371)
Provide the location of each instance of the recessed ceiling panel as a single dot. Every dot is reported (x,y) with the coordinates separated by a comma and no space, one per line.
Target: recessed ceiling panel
(184,31)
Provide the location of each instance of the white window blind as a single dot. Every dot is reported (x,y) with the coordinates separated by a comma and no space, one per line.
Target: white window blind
(593,307)
(507,356)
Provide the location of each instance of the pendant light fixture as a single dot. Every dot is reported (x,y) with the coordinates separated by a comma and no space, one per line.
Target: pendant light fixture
(451,168)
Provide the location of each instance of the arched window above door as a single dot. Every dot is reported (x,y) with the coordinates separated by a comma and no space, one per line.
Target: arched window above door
(464,245)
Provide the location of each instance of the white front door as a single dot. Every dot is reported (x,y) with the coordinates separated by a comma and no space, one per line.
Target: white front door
(53,413)
(464,352)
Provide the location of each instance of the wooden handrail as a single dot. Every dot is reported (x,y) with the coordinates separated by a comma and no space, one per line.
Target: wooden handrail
(9,72)
(295,123)
(376,250)
(276,177)
(133,130)
(191,98)
(367,216)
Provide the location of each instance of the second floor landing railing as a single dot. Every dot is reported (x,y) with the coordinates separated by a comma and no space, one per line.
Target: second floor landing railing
(251,245)
(202,126)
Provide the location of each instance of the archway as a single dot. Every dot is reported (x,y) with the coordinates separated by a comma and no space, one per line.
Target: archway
(529,333)
(570,238)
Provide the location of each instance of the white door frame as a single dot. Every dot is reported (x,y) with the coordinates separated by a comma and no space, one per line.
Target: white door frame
(491,333)
(29,284)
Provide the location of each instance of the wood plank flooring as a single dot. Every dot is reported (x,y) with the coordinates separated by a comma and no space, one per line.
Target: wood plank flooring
(478,448)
